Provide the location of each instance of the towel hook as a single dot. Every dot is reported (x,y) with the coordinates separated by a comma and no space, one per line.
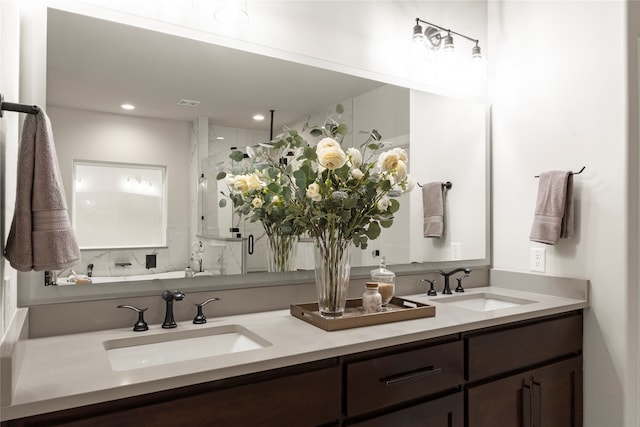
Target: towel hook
(572,173)
(446,185)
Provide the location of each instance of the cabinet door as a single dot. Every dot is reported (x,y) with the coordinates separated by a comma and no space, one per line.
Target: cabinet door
(549,396)
(444,412)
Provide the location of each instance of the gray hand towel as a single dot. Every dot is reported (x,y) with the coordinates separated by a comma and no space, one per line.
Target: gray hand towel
(553,217)
(41,236)
(433,209)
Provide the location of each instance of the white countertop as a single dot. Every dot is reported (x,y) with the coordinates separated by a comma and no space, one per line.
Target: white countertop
(67,371)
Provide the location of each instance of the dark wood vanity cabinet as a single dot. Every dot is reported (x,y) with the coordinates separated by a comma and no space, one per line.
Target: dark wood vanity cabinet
(534,380)
(525,373)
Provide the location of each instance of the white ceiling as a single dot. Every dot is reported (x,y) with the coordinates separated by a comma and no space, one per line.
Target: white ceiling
(98,65)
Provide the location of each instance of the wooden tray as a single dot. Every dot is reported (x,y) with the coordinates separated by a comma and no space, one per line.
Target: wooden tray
(354,315)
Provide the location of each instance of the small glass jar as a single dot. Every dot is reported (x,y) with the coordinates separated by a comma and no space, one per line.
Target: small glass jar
(188,272)
(371,299)
(386,280)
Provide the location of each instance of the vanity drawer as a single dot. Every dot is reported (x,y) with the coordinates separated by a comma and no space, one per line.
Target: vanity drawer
(383,381)
(493,353)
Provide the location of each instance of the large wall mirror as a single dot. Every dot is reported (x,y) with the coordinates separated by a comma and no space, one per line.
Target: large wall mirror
(194,101)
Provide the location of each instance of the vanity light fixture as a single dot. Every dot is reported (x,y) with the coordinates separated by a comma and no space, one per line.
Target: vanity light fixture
(436,37)
(258,117)
(128,107)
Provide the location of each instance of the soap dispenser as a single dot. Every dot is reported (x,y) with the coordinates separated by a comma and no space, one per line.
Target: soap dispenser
(386,280)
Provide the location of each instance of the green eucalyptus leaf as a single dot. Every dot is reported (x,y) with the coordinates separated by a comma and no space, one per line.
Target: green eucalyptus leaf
(385,185)
(386,223)
(274,187)
(374,230)
(310,153)
(339,108)
(349,203)
(316,132)
(287,193)
(394,205)
(221,175)
(236,155)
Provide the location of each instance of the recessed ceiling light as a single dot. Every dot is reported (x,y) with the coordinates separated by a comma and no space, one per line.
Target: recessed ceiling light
(219,138)
(258,117)
(188,102)
(128,107)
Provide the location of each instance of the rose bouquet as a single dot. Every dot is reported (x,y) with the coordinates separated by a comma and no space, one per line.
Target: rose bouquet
(339,197)
(260,191)
(197,253)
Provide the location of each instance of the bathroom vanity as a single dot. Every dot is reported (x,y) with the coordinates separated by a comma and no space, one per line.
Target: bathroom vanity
(513,365)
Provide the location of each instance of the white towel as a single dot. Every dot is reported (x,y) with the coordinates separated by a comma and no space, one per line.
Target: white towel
(41,236)
(553,218)
(433,209)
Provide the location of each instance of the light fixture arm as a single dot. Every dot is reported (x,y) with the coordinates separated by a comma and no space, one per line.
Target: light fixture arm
(418,21)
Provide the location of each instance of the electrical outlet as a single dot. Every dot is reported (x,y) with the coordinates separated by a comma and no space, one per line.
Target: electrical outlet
(456,250)
(538,261)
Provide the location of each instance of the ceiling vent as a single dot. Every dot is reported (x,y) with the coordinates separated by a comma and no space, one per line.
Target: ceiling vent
(188,103)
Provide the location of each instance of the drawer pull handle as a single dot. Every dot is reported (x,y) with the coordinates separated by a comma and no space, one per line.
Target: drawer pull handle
(408,377)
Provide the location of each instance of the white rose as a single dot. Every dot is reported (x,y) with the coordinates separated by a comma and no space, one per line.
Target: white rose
(357,173)
(327,143)
(383,203)
(253,182)
(401,171)
(256,203)
(355,157)
(332,157)
(313,192)
(240,183)
(388,161)
(402,155)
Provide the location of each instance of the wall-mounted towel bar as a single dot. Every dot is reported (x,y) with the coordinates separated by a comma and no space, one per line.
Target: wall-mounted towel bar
(20,108)
(446,185)
(572,173)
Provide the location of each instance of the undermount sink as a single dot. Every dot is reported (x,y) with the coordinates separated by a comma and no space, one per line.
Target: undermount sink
(482,301)
(179,346)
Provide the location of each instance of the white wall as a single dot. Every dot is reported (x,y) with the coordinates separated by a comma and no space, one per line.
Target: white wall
(9,78)
(558,89)
(88,135)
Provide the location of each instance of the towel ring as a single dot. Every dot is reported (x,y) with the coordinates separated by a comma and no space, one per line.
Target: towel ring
(572,173)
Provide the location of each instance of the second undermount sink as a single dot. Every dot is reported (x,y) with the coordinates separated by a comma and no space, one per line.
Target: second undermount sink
(484,301)
(179,346)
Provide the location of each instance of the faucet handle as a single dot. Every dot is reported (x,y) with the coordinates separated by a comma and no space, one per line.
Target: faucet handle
(432,292)
(200,317)
(140,325)
(459,288)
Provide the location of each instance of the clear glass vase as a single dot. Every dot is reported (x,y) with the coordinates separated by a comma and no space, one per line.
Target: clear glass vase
(332,267)
(282,252)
